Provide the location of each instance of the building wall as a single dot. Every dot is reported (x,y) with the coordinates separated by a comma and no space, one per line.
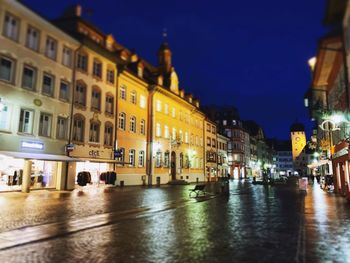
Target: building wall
(177,129)
(223,167)
(210,150)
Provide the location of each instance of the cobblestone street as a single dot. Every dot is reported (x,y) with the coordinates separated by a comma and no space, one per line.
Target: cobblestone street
(252,224)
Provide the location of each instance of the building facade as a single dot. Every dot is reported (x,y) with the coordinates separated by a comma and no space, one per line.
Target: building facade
(223,167)
(36,80)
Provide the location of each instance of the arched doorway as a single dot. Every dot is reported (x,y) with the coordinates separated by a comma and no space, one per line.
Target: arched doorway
(173,165)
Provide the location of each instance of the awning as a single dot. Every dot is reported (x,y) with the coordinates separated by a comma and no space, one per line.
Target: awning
(40,156)
(319,163)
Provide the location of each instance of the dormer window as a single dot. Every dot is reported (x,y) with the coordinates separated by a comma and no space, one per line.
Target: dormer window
(139,71)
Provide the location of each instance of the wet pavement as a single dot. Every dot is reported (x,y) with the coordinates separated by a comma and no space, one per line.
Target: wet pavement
(253,223)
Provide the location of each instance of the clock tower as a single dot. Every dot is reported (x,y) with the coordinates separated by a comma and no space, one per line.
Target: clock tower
(298,138)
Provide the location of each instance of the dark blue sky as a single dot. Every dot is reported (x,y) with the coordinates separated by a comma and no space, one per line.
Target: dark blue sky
(251,54)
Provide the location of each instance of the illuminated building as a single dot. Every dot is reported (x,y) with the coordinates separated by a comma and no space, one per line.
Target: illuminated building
(223,166)
(210,150)
(36,92)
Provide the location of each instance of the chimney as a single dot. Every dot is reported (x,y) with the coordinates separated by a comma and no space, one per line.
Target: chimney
(73,11)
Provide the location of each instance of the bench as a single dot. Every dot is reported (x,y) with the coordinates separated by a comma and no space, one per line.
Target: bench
(198,189)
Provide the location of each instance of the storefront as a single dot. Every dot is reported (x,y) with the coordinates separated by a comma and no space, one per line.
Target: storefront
(21,171)
(341,161)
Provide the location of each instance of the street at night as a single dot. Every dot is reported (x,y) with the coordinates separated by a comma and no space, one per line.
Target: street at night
(252,223)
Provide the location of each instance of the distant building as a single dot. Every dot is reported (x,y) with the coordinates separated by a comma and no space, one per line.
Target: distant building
(223,166)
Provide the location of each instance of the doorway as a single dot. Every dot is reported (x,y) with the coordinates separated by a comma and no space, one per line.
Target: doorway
(173,165)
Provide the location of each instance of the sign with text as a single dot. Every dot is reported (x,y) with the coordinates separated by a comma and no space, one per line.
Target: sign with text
(32,145)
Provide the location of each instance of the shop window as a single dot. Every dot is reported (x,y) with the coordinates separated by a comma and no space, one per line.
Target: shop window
(133,124)
(142,101)
(67,56)
(82,61)
(64,91)
(5,118)
(121,121)
(122,93)
(97,68)
(32,38)
(51,48)
(11,27)
(141,158)
(94,135)
(133,97)
(7,67)
(48,84)
(96,99)
(80,94)
(108,134)
(29,77)
(110,75)
(45,124)
(109,104)
(166,159)
(132,157)
(26,121)
(143,127)
(62,127)
(159,159)
(78,128)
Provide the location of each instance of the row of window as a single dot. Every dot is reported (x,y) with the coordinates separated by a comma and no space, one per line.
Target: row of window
(132,158)
(222,146)
(211,142)
(211,128)
(30,78)
(132,123)
(97,67)
(26,123)
(133,96)
(163,160)
(79,124)
(182,137)
(80,97)
(11,30)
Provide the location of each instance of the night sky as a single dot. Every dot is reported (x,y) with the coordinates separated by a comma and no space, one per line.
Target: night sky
(250,54)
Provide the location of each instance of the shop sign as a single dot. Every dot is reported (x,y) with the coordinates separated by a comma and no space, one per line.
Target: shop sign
(340,153)
(94,154)
(32,145)
(69,147)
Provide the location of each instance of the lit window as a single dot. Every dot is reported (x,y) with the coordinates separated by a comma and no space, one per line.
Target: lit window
(94,132)
(64,91)
(142,127)
(133,97)
(6,69)
(45,125)
(110,104)
(67,57)
(51,48)
(108,134)
(173,112)
(213,144)
(166,159)
(97,68)
(133,124)
(96,99)
(28,77)
(173,134)
(132,157)
(142,101)
(48,85)
(166,131)
(32,40)
(208,141)
(186,137)
(26,121)
(122,93)
(158,130)
(11,27)
(166,108)
(61,128)
(121,121)
(224,122)
(158,159)
(158,106)
(78,128)
(141,158)
(80,94)
(82,61)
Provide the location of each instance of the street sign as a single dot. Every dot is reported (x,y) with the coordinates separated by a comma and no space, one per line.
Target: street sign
(118,153)
(69,147)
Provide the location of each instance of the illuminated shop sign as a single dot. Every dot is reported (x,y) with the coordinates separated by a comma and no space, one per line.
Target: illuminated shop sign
(32,145)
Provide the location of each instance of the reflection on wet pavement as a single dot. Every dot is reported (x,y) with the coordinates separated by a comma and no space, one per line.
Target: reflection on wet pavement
(253,223)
